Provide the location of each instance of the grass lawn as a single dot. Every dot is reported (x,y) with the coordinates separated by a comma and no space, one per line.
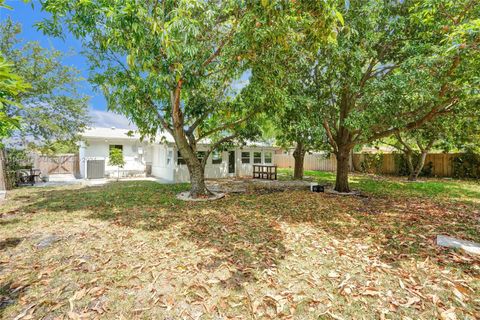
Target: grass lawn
(130,250)
(447,189)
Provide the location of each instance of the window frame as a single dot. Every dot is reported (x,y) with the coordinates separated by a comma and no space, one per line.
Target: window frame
(217,157)
(265,157)
(201,155)
(255,158)
(180,160)
(242,158)
(169,158)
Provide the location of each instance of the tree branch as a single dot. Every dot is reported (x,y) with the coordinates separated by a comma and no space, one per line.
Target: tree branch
(227,126)
(222,43)
(216,145)
(434,112)
(330,136)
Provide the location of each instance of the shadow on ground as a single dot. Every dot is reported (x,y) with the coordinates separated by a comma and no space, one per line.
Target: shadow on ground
(244,229)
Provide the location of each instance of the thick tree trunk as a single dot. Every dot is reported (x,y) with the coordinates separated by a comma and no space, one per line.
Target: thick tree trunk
(343,167)
(197,180)
(187,147)
(196,171)
(299,156)
(421,162)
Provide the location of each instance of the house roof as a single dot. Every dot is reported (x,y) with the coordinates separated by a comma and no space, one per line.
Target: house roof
(128,134)
(116,133)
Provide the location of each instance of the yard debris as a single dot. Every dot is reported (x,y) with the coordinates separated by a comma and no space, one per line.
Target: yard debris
(450,242)
(47,241)
(137,252)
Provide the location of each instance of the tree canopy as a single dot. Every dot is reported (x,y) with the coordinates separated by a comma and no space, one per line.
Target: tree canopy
(395,67)
(52,109)
(170,66)
(11,85)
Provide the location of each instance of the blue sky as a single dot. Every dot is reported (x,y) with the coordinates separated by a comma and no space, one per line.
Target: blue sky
(28,16)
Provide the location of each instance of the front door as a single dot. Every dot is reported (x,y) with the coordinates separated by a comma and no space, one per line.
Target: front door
(231,161)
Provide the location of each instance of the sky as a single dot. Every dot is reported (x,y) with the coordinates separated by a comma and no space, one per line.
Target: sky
(27,16)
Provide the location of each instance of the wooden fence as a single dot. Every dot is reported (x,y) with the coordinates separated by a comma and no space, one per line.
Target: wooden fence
(61,164)
(318,162)
(442,163)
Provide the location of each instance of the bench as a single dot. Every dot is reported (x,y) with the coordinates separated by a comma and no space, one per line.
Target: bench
(267,172)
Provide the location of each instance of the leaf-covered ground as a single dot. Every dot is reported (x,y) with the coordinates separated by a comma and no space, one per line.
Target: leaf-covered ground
(130,250)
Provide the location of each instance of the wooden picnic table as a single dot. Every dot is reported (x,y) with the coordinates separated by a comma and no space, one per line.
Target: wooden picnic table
(262,171)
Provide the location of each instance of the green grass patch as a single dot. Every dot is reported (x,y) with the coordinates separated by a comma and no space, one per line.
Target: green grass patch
(448,189)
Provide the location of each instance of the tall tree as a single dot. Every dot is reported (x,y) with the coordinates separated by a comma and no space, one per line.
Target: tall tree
(170,65)
(297,123)
(450,131)
(397,66)
(11,85)
(52,109)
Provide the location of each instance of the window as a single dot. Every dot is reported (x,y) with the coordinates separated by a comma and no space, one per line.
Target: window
(200,155)
(216,157)
(180,159)
(115,146)
(245,157)
(257,157)
(268,157)
(169,157)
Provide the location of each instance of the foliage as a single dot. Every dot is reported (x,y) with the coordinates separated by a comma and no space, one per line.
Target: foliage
(52,108)
(401,166)
(297,120)
(11,85)
(397,66)
(467,164)
(178,67)
(56,147)
(18,159)
(371,162)
(116,158)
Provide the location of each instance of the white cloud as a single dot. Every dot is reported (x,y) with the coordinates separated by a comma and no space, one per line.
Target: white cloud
(108,119)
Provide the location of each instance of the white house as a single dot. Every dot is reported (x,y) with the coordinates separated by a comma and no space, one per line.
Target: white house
(160,158)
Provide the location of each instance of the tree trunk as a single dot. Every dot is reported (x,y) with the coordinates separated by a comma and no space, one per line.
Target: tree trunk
(421,162)
(409,159)
(187,147)
(196,170)
(343,167)
(197,180)
(3,170)
(299,156)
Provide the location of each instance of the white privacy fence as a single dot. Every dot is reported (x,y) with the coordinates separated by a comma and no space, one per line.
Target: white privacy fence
(319,162)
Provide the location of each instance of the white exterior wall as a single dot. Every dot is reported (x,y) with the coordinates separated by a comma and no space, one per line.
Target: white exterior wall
(162,166)
(217,171)
(81,156)
(133,154)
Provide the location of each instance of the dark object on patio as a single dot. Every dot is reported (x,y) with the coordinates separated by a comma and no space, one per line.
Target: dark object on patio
(27,176)
(264,172)
(317,188)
